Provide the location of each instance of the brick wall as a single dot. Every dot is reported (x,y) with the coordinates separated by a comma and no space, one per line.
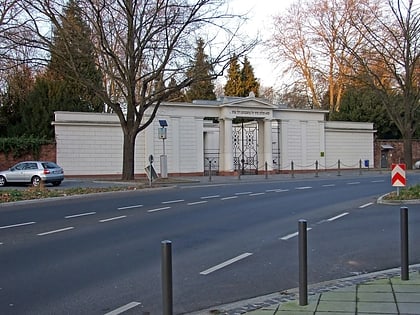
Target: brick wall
(395,155)
(47,153)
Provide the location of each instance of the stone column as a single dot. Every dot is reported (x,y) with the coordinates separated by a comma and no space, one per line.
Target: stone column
(226,148)
(265,145)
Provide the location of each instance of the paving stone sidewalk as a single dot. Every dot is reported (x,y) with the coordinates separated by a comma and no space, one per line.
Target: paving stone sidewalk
(389,295)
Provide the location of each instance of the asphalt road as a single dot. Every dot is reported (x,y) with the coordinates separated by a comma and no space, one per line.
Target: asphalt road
(231,241)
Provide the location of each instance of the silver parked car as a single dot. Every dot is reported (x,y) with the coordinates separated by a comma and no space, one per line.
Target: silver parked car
(33,172)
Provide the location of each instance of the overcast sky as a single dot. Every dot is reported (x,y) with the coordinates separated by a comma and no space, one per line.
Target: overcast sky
(260,14)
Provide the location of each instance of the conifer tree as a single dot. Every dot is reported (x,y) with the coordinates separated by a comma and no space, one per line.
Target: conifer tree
(75,31)
(233,85)
(248,81)
(202,87)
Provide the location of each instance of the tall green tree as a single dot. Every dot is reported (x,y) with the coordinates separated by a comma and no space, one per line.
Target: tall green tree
(73,41)
(248,81)
(20,83)
(202,88)
(362,104)
(241,80)
(233,85)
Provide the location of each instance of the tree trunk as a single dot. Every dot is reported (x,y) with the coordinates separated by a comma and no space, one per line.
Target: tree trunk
(128,156)
(408,152)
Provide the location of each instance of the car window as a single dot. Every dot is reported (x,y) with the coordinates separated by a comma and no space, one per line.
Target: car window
(31,166)
(19,166)
(49,165)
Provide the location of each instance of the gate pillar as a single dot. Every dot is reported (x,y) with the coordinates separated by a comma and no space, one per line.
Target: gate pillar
(226,148)
(265,144)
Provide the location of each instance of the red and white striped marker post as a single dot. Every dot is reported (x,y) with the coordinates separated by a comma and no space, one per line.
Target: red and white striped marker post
(398,176)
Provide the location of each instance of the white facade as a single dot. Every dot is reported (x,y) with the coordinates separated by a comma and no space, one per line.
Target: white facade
(272,137)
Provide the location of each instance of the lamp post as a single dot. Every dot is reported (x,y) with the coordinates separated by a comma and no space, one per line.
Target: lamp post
(163,158)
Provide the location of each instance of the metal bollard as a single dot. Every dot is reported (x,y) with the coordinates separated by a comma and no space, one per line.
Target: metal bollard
(167,297)
(316,168)
(360,167)
(303,263)
(292,165)
(339,168)
(404,243)
(266,170)
(209,170)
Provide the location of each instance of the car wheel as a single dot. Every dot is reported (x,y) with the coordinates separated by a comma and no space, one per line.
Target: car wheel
(2,181)
(36,181)
(56,183)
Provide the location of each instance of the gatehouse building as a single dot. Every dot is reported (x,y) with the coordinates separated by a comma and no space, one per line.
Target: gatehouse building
(230,135)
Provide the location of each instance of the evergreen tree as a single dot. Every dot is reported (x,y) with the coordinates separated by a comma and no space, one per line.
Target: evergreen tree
(241,81)
(202,87)
(79,59)
(233,85)
(363,104)
(248,81)
(19,85)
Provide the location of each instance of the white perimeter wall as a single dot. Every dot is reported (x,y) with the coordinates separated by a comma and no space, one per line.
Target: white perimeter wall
(348,142)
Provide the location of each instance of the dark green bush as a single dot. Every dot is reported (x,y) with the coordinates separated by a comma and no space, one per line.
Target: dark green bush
(19,146)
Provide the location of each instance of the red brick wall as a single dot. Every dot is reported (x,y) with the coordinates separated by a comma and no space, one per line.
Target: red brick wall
(395,155)
(47,153)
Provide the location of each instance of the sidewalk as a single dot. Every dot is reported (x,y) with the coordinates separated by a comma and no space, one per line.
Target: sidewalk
(384,296)
(380,293)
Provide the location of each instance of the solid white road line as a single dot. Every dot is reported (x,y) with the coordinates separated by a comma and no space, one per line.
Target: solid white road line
(16,225)
(78,215)
(158,209)
(210,197)
(173,201)
(123,309)
(366,205)
(227,198)
(289,236)
(337,216)
(257,194)
(112,219)
(303,187)
(196,203)
(224,264)
(56,231)
(130,207)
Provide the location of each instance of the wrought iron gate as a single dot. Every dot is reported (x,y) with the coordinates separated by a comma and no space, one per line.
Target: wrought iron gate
(245,140)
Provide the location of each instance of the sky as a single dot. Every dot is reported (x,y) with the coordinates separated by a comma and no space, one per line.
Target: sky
(260,14)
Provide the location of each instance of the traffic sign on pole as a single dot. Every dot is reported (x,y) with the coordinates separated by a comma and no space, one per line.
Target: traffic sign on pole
(398,175)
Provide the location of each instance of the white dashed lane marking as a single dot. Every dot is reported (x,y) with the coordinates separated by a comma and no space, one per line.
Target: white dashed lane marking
(79,215)
(303,187)
(353,183)
(289,236)
(366,205)
(227,198)
(224,264)
(158,209)
(196,202)
(210,197)
(112,219)
(130,207)
(56,231)
(173,201)
(337,217)
(123,308)
(16,225)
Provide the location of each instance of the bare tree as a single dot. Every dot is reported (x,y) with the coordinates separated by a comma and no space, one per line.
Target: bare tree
(308,39)
(140,46)
(389,62)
